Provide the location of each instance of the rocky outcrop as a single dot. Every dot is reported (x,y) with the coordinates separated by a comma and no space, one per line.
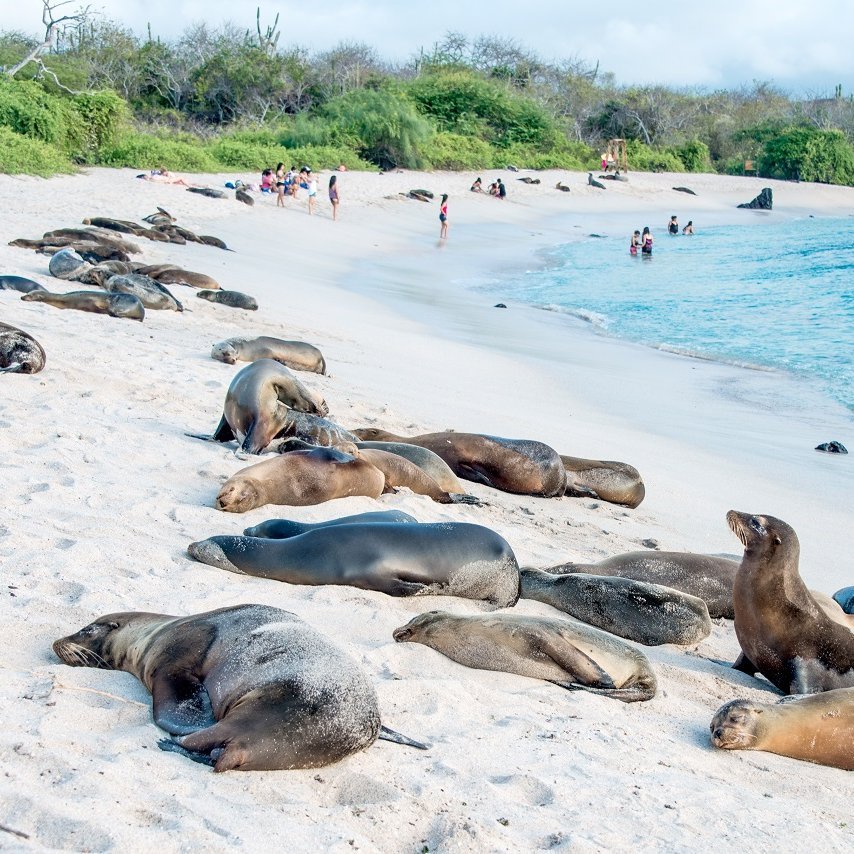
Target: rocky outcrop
(763,201)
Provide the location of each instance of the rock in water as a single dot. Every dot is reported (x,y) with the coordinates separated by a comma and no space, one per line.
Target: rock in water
(764,201)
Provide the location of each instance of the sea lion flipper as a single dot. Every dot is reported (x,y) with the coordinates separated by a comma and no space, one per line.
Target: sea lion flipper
(387,734)
(745,665)
(573,660)
(181,704)
(465,498)
(173,747)
(223,432)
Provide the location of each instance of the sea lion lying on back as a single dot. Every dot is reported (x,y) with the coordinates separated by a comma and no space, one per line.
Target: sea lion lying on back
(20,353)
(294,354)
(784,633)
(521,466)
(246,688)
(257,404)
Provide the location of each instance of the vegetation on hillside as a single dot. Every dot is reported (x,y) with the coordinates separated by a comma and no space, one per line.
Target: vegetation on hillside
(224,98)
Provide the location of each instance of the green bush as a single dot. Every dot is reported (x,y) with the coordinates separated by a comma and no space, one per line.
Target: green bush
(234,154)
(809,154)
(326,157)
(140,151)
(642,158)
(695,156)
(22,155)
(104,115)
(27,109)
(454,151)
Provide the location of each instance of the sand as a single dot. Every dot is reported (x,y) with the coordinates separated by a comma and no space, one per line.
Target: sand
(103,492)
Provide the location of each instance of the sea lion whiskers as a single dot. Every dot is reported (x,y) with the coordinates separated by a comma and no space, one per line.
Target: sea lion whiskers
(84,657)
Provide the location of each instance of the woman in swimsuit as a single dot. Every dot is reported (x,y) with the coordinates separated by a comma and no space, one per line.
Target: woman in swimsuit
(280,185)
(646,241)
(636,242)
(312,193)
(333,196)
(689,229)
(443,217)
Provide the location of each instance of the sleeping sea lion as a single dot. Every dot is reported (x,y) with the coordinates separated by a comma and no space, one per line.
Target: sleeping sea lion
(819,728)
(281,529)
(645,613)
(447,559)
(115,305)
(150,293)
(20,284)
(233,299)
(299,479)
(562,651)
(617,483)
(258,403)
(294,354)
(521,466)
(20,353)
(431,464)
(783,632)
(302,432)
(246,688)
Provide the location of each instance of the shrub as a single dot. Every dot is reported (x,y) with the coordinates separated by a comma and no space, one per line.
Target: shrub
(642,158)
(694,156)
(809,154)
(27,109)
(454,151)
(22,155)
(104,115)
(326,157)
(140,151)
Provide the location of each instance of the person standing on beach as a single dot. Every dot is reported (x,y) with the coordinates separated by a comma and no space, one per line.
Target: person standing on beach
(312,193)
(502,190)
(646,241)
(333,196)
(280,185)
(443,217)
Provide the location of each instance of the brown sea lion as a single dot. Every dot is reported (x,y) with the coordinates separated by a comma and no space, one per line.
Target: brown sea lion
(233,299)
(521,466)
(414,559)
(20,353)
(645,613)
(562,651)
(817,729)
(302,432)
(431,464)
(707,577)
(294,354)
(617,483)
(150,293)
(281,529)
(115,305)
(258,404)
(245,688)
(783,632)
(300,478)
(168,274)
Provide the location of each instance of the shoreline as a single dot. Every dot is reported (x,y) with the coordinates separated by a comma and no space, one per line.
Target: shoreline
(104,491)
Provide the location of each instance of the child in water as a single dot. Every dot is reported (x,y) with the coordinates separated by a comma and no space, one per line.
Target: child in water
(636,242)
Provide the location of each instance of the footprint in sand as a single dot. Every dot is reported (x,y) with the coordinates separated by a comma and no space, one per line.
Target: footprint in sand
(522,788)
(356,789)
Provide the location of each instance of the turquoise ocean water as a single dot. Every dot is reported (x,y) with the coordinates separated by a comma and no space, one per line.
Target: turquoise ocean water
(773,296)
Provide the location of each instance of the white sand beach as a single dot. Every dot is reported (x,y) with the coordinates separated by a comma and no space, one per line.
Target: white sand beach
(103,491)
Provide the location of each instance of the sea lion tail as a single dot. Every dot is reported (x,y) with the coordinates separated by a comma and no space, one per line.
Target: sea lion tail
(387,734)
(465,498)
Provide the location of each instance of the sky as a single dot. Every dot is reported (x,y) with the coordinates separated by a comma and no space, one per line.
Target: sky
(804,47)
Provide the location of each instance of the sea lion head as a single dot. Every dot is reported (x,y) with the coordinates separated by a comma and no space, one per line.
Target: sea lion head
(762,536)
(420,628)
(737,725)
(104,643)
(238,496)
(34,296)
(225,351)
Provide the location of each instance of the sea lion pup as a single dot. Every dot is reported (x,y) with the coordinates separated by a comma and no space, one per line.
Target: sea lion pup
(565,652)
(707,577)
(294,354)
(168,274)
(431,464)
(299,479)
(845,599)
(398,471)
(645,613)
(20,353)
(246,688)
(281,529)
(819,728)
(783,632)
(257,405)
(115,305)
(150,293)
(210,240)
(446,559)
(20,284)
(233,299)
(521,466)
(614,482)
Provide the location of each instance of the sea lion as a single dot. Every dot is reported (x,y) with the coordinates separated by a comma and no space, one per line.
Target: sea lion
(233,299)
(431,464)
(20,353)
(845,599)
(150,293)
(95,235)
(521,466)
(210,240)
(398,471)
(782,630)
(294,354)
(446,559)
(258,402)
(645,613)
(243,196)
(207,191)
(167,274)
(247,688)
(302,432)
(817,729)
(707,577)
(20,284)
(299,479)
(281,529)
(833,609)
(121,225)
(617,483)
(160,218)
(66,263)
(562,651)
(115,305)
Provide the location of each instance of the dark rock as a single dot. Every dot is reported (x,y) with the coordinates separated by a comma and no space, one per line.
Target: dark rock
(687,190)
(833,447)
(763,201)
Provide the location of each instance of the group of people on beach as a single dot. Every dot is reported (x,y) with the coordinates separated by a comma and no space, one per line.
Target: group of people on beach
(642,241)
(496,188)
(288,182)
